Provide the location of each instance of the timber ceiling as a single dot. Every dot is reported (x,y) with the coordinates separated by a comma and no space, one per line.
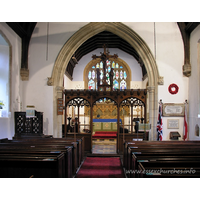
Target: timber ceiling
(25,30)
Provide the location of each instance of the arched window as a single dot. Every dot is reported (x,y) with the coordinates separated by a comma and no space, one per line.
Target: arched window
(121,77)
(4,76)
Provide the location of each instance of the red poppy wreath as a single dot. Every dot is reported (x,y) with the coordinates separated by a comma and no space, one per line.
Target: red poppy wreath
(173,88)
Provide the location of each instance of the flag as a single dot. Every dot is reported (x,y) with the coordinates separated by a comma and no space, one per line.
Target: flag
(185,128)
(160,124)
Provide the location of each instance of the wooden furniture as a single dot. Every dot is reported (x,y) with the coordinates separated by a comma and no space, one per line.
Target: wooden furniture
(141,157)
(28,126)
(41,157)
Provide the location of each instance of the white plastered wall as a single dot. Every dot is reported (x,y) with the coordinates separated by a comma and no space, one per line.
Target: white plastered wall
(170,59)
(16,93)
(194,84)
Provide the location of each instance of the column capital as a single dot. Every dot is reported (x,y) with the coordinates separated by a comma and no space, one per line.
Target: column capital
(187,70)
(151,89)
(50,81)
(24,73)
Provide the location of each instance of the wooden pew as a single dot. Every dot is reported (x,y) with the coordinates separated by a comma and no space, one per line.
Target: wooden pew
(3,140)
(79,144)
(36,165)
(68,150)
(169,169)
(143,158)
(51,144)
(160,149)
(27,148)
(153,144)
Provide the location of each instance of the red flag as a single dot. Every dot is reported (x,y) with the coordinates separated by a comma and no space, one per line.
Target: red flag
(185,128)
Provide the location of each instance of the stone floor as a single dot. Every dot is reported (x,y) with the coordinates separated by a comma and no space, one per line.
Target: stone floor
(104,146)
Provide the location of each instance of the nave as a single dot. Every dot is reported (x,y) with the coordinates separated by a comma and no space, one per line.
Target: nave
(46,157)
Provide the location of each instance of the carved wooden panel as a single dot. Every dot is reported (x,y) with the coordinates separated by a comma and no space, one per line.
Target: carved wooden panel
(28,126)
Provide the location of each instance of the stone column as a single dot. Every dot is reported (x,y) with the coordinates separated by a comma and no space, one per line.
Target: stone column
(59,94)
(151,91)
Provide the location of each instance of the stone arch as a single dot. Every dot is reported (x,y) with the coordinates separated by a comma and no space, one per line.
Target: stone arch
(125,33)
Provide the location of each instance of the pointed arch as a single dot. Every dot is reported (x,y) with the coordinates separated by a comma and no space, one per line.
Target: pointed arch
(125,33)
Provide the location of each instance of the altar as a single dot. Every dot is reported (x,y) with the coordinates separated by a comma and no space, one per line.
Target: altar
(105,125)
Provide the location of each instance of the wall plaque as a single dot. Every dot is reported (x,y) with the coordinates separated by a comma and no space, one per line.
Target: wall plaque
(60,106)
(173,110)
(173,123)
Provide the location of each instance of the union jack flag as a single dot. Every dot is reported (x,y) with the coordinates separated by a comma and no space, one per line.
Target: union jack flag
(160,123)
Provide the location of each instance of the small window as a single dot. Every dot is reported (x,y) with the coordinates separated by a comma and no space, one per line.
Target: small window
(4,77)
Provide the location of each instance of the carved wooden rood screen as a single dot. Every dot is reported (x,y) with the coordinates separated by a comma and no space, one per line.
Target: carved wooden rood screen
(89,98)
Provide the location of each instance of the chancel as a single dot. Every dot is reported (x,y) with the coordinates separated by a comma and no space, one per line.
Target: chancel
(109,98)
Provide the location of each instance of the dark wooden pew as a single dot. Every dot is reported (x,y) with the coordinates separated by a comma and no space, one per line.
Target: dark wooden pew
(24,149)
(4,140)
(143,158)
(160,151)
(45,143)
(169,169)
(153,144)
(78,144)
(35,165)
(68,149)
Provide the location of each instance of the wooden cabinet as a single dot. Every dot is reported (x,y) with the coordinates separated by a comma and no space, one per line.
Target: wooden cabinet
(28,126)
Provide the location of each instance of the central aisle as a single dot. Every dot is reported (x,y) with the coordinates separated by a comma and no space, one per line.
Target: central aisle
(101,167)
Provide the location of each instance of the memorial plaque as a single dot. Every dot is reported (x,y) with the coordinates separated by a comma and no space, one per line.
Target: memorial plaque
(59,106)
(173,110)
(173,123)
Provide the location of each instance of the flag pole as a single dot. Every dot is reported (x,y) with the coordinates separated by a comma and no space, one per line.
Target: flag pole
(185,127)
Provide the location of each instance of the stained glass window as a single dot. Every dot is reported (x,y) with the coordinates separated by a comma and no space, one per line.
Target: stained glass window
(101,64)
(122,85)
(117,74)
(115,85)
(113,64)
(109,68)
(93,74)
(119,78)
(91,85)
(101,75)
(89,75)
(121,74)
(125,76)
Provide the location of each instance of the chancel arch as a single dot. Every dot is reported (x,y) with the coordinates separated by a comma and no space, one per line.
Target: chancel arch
(128,35)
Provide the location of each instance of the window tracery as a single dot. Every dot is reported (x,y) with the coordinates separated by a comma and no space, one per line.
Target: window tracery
(120,78)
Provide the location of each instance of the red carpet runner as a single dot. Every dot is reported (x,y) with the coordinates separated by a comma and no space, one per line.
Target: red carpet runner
(101,167)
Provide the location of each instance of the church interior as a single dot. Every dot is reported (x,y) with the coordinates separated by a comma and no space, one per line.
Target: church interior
(100,100)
